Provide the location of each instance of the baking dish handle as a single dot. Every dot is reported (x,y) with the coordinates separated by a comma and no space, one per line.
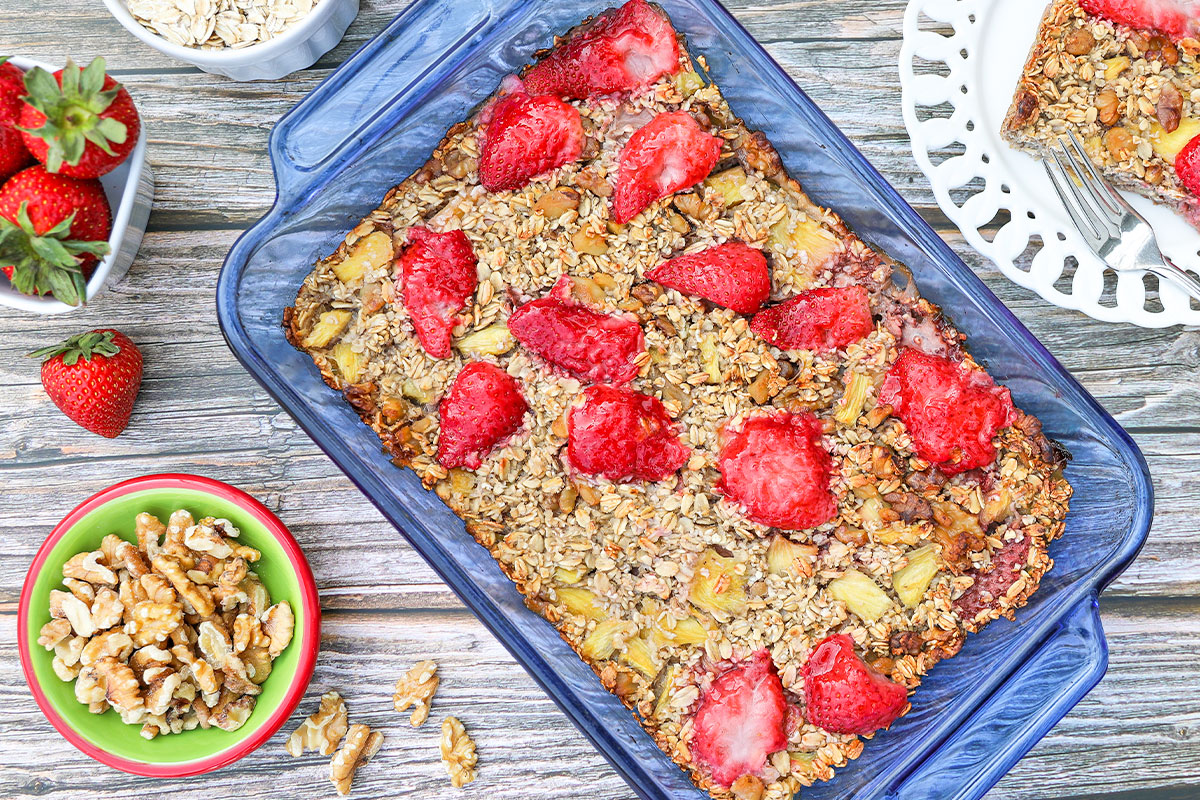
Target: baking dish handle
(373,88)
(1021,712)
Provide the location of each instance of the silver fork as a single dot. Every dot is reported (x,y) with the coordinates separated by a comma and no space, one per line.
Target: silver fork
(1120,236)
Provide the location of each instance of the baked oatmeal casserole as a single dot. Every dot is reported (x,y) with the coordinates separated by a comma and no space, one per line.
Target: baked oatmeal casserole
(1122,75)
(759,486)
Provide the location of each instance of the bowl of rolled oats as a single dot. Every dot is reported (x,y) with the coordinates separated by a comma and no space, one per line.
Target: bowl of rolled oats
(169,625)
(246,40)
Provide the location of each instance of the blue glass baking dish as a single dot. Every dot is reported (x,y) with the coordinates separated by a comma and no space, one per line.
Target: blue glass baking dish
(378,117)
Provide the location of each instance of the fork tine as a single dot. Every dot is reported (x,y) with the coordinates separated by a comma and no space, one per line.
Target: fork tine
(1080,206)
(1118,203)
(1061,181)
(1088,179)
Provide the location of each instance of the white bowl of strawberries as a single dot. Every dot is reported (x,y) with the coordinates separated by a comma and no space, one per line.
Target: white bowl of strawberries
(75,188)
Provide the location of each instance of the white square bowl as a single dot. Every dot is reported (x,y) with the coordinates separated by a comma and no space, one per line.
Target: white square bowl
(130,192)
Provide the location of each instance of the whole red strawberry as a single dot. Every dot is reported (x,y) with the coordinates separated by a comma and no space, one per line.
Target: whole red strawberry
(13,154)
(483,406)
(80,123)
(52,230)
(1187,166)
(623,434)
(843,694)
(526,137)
(741,720)
(93,378)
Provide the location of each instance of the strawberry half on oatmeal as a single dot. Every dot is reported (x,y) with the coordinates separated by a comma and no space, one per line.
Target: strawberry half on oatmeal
(1123,76)
(760,489)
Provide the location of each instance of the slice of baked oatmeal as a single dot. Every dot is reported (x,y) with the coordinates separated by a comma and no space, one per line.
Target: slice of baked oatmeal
(759,487)
(1121,74)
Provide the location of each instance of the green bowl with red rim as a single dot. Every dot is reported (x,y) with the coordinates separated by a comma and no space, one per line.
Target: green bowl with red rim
(282,568)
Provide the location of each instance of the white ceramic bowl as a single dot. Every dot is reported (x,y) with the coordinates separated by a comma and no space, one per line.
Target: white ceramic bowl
(130,192)
(296,48)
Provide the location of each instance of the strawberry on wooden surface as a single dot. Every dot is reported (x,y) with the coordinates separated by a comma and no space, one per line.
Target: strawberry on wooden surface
(817,319)
(13,153)
(741,720)
(526,137)
(437,271)
(733,275)
(585,343)
(483,407)
(844,695)
(80,123)
(1179,19)
(622,49)
(93,378)
(52,231)
(623,435)
(952,412)
(776,468)
(668,154)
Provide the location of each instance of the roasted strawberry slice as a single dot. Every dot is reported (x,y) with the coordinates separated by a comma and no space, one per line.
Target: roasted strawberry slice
(669,153)
(733,275)
(952,412)
(1179,19)
(776,468)
(437,271)
(590,345)
(818,319)
(991,586)
(622,435)
(843,694)
(621,50)
(741,720)
(482,407)
(526,137)
(1187,165)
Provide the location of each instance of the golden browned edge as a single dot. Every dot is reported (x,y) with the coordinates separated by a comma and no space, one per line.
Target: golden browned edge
(762,155)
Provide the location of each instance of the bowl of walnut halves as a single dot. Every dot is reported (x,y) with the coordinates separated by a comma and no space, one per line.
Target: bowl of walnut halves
(169,625)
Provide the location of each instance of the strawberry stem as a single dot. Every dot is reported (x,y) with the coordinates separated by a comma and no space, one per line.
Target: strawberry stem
(81,345)
(47,262)
(73,112)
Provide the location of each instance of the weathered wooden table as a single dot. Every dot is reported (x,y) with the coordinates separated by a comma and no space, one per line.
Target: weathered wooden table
(1136,737)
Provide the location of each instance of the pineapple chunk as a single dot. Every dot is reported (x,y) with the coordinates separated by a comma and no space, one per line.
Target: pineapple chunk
(791,237)
(369,252)
(569,576)
(581,602)
(588,241)
(688,630)
(709,357)
(913,579)
(349,363)
(664,691)
(851,404)
(688,83)
(329,326)
(1168,145)
(599,643)
(861,595)
(1113,67)
(717,588)
(782,554)
(493,340)
(640,655)
(731,185)
(412,391)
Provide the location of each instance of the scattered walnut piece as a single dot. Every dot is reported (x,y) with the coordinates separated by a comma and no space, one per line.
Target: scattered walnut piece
(323,730)
(416,688)
(1169,110)
(458,752)
(358,748)
(1079,42)
(1108,107)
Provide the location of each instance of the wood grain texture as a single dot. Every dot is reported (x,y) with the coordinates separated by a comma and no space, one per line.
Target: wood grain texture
(1135,737)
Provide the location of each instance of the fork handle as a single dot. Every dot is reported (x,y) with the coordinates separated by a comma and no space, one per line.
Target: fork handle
(1177,275)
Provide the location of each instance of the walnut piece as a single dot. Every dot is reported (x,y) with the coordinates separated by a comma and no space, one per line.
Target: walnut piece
(358,748)
(54,632)
(278,623)
(458,752)
(323,730)
(89,567)
(416,688)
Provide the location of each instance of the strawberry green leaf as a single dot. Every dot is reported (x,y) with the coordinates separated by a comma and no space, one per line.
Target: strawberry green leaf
(46,262)
(81,345)
(73,111)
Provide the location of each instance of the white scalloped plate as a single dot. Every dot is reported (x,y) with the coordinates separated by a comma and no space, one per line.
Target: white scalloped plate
(956,90)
